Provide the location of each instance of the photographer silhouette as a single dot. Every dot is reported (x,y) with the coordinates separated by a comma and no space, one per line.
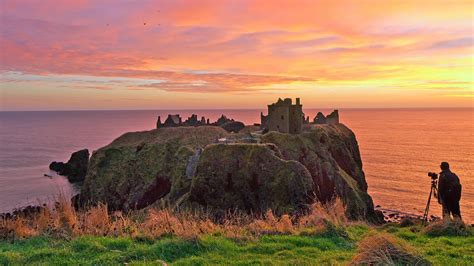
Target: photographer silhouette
(449,192)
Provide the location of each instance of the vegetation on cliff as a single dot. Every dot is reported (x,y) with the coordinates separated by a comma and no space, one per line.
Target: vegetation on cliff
(250,177)
(139,168)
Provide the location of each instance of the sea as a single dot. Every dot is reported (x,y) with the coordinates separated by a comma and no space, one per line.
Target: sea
(398,148)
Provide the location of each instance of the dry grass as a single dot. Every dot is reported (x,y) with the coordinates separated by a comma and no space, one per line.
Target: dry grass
(64,222)
(383,249)
(333,212)
(448,227)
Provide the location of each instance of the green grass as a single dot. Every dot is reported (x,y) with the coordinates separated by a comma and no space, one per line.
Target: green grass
(442,250)
(211,250)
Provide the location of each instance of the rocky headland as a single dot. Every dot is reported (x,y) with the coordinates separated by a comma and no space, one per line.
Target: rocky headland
(208,167)
(75,168)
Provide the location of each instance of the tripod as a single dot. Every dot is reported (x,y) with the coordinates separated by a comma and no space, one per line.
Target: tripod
(433,190)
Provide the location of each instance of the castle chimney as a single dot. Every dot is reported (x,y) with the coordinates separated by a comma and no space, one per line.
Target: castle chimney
(297,101)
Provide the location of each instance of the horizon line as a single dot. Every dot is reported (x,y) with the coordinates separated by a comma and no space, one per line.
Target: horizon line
(234,109)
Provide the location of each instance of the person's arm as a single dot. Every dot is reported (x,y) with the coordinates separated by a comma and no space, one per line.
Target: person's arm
(441,186)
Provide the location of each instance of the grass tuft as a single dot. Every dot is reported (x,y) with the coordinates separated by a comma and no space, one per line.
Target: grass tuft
(384,249)
(448,227)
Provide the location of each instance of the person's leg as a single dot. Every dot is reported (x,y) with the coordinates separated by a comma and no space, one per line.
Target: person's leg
(456,210)
(445,210)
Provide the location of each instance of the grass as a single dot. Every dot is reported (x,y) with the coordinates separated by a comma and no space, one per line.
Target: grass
(63,236)
(218,249)
(440,250)
(274,249)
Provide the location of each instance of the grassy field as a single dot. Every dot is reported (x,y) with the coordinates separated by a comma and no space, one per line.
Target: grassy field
(305,248)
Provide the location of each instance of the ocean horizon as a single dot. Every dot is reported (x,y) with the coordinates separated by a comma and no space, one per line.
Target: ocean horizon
(237,109)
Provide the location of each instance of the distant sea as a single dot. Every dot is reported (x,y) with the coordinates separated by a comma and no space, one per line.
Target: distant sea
(398,147)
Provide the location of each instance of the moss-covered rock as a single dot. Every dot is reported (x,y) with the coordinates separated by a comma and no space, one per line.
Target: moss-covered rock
(140,167)
(331,155)
(250,177)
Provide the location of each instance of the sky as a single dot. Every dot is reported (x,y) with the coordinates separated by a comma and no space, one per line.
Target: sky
(151,54)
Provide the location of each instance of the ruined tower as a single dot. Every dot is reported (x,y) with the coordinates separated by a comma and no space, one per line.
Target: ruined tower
(284,116)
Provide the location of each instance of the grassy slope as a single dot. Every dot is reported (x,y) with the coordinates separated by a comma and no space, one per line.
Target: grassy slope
(275,249)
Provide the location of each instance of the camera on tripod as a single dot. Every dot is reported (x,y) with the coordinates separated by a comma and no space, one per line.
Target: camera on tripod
(433,191)
(433,176)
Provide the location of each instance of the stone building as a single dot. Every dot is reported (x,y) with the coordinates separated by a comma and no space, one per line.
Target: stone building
(171,121)
(284,116)
(331,119)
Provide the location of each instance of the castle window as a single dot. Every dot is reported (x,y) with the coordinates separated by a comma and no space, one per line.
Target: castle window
(282,117)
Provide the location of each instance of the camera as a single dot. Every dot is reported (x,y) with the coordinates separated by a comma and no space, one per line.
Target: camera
(433,176)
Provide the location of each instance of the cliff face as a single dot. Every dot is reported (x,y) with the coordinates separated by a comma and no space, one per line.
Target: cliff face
(183,166)
(331,155)
(139,168)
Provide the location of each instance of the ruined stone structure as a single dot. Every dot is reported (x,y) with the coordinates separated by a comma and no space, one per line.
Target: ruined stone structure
(173,121)
(331,119)
(177,121)
(283,116)
(319,118)
(230,125)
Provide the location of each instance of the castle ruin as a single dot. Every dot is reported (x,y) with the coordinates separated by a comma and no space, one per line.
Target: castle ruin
(330,119)
(284,116)
(230,125)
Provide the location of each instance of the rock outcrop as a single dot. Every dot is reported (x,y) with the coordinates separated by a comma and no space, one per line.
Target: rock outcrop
(250,177)
(185,167)
(75,169)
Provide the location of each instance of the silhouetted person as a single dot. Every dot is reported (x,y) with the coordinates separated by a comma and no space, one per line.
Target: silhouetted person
(449,192)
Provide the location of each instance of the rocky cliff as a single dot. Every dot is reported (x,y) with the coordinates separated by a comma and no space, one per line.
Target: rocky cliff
(186,167)
(331,155)
(139,168)
(75,169)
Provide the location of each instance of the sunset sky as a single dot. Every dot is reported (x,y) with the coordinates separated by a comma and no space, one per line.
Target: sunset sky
(117,54)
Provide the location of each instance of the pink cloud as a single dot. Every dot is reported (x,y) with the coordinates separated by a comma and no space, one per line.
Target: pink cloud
(249,44)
